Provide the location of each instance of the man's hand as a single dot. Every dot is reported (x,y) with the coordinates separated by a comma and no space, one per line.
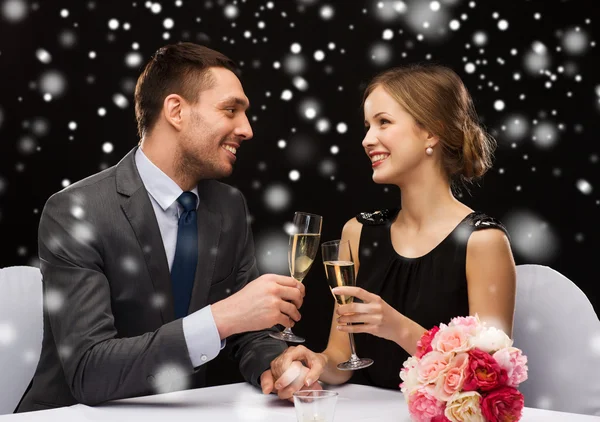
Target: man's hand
(267,301)
(289,373)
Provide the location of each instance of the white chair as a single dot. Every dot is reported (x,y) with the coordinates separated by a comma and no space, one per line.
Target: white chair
(21,331)
(556,327)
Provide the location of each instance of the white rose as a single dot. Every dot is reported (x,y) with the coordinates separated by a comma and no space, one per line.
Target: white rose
(490,340)
(409,376)
(464,407)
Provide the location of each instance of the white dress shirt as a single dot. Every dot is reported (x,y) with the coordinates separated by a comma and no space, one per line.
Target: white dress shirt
(199,328)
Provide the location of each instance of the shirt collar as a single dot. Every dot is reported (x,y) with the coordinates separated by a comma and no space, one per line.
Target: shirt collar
(160,186)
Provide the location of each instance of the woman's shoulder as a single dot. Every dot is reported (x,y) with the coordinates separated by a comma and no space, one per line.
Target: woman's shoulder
(378,217)
(481,221)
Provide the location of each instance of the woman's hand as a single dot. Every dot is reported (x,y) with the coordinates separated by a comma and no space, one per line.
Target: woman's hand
(377,317)
(288,375)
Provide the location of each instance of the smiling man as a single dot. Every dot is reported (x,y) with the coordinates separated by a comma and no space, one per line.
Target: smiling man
(152,260)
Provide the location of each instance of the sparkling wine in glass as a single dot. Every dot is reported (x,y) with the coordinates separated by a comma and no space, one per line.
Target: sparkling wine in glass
(339,268)
(302,250)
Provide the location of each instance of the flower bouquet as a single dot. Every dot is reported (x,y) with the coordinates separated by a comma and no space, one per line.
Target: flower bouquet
(464,371)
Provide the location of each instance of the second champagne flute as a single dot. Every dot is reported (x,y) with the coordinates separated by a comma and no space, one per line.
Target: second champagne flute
(302,250)
(339,268)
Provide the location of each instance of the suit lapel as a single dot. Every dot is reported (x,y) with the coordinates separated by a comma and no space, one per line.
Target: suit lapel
(209,232)
(138,209)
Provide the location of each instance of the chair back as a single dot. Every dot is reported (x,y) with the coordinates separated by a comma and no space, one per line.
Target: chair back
(21,331)
(557,328)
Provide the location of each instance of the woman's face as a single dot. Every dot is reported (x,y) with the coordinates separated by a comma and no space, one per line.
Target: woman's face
(394,142)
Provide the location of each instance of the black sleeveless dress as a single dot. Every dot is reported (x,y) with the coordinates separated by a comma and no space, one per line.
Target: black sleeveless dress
(430,289)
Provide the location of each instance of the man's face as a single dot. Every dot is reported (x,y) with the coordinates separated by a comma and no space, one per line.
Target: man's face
(215,128)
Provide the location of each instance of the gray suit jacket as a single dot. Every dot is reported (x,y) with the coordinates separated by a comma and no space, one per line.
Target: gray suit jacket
(109,328)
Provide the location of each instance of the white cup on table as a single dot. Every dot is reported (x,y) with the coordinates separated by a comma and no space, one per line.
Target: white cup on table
(315,405)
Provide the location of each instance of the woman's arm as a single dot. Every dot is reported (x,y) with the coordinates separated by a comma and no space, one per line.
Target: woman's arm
(322,365)
(378,318)
(491,282)
(491,278)
(337,351)
(338,345)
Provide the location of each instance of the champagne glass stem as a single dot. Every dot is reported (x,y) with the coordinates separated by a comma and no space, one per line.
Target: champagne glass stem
(353,356)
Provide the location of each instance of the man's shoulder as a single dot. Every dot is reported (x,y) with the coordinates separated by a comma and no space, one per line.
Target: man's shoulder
(89,187)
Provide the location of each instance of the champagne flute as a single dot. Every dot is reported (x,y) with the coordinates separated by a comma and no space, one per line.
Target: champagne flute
(302,250)
(339,268)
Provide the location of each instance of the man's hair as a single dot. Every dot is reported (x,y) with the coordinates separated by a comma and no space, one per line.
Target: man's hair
(181,69)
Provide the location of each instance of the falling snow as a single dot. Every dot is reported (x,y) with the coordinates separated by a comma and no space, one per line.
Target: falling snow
(170,377)
(69,92)
(14,10)
(531,236)
(53,82)
(277,197)
(584,186)
(53,300)
(8,334)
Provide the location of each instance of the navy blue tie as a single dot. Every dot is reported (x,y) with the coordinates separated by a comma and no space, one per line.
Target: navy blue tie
(183,269)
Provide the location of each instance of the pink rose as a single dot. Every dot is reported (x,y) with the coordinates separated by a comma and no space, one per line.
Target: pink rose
(470,323)
(503,405)
(451,339)
(453,378)
(514,362)
(432,366)
(483,372)
(423,407)
(424,343)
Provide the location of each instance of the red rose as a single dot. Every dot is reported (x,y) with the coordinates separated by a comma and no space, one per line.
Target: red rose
(424,343)
(440,418)
(503,405)
(483,372)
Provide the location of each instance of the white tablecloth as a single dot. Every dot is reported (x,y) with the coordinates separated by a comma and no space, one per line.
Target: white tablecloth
(242,402)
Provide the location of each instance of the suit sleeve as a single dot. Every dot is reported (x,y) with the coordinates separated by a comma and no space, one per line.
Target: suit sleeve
(256,349)
(97,365)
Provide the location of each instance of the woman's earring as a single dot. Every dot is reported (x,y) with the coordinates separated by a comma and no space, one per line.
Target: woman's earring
(429,151)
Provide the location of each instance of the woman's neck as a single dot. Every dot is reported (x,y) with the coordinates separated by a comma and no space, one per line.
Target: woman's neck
(431,200)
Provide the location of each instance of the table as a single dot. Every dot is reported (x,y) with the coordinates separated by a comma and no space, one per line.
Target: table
(242,402)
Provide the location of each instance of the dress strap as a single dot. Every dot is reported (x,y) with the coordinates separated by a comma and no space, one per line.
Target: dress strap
(481,221)
(377,218)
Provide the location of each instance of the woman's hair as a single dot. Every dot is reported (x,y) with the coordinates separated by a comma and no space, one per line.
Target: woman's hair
(439,102)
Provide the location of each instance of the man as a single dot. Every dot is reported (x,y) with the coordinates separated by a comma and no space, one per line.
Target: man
(147,265)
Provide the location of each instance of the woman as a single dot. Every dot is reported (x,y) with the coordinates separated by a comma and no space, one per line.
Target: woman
(434,258)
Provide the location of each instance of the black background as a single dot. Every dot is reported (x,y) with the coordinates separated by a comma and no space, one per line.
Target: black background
(533,187)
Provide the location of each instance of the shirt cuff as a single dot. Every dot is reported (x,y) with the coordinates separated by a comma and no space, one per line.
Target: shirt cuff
(202,337)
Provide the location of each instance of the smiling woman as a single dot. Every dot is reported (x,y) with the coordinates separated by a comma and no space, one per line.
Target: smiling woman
(430,101)
(430,259)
